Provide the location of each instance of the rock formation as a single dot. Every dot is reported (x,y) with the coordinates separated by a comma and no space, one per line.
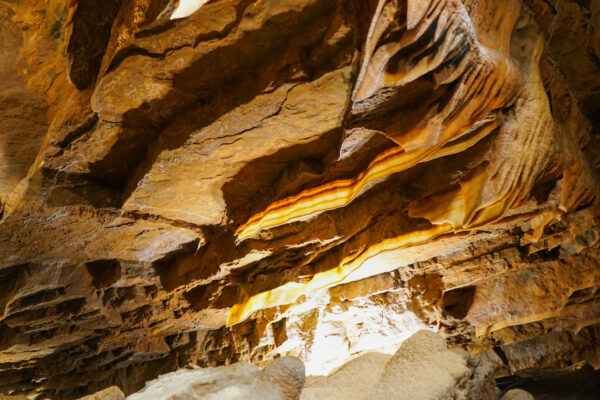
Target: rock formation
(206,182)
(282,379)
(422,368)
(111,393)
(517,394)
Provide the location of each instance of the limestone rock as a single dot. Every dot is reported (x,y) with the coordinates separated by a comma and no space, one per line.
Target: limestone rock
(353,380)
(111,393)
(282,379)
(205,182)
(517,394)
(422,368)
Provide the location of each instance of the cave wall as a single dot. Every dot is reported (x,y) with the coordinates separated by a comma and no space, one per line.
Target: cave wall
(207,182)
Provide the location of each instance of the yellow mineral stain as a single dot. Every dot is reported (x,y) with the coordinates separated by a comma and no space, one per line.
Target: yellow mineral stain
(341,192)
(527,319)
(448,214)
(468,116)
(539,223)
(331,195)
(291,291)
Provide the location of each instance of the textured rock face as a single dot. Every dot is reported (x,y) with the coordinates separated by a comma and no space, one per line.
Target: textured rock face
(282,379)
(111,393)
(517,394)
(209,182)
(422,368)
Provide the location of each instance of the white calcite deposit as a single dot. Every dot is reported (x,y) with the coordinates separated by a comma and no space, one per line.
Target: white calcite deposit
(282,379)
(422,368)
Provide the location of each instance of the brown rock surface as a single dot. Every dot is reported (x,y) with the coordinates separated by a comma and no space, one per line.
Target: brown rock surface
(184,182)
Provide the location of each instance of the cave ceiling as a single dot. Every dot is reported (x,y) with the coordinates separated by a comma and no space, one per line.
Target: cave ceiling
(212,181)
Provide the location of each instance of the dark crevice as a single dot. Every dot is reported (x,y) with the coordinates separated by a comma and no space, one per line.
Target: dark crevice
(549,254)
(502,355)
(90,31)
(78,132)
(586,295)
(552,8)
(259,177)
(541,191)
(214,296)
(457,302)
(104,273)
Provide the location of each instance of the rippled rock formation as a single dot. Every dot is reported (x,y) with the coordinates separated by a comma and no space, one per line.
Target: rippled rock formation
(205,182)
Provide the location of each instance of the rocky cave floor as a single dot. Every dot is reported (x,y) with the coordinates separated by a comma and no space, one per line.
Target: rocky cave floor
(581,384)
(422,367)
(218,182)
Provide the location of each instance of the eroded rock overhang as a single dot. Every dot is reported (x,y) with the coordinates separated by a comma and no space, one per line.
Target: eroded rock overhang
(206,182)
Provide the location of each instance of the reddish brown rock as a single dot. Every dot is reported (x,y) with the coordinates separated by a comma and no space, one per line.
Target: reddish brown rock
(188,183)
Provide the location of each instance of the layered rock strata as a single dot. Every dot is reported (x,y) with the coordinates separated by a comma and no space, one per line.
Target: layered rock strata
(209,182)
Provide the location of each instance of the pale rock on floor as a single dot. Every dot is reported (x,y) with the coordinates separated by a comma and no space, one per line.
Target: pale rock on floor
(282,379)
(517,394)
(422,368)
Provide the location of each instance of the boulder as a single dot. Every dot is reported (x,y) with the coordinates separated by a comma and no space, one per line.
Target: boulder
(517,394)
(422,368)
(282,379)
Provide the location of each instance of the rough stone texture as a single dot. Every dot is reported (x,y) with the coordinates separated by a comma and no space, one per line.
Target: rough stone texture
(187,183)
(111,393)
(517,394)
(282,379)
(422,368)
(23,120)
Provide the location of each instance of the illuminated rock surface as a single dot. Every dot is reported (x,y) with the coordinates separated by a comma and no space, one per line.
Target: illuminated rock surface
(206,182)
(282,379)
(422,368)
